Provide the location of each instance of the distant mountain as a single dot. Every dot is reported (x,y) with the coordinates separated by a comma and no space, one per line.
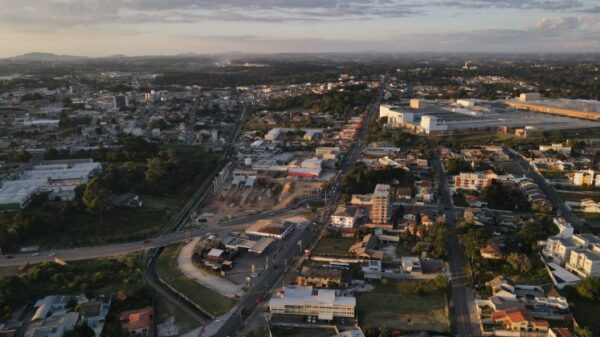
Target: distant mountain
(44,57)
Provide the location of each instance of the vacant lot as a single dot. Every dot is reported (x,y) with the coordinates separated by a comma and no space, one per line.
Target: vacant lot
(333,246)
(396,306)
(211,301)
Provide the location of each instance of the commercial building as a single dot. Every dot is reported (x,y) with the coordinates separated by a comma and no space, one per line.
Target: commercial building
(300,300)
(58,178)
(577,108)
(380,202)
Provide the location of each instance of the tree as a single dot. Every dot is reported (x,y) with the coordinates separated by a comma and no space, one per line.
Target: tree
(157,169)
(95,196)
(82,330)
(519,262)
(589,289)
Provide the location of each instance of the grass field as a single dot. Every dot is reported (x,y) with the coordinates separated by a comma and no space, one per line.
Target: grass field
(394,306)
(166,267)
(333,246)
(165,309)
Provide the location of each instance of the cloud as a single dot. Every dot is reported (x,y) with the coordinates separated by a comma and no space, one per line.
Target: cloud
(518,4)
(66,13)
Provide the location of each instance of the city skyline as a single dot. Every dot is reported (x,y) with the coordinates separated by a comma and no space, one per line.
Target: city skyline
(136,27)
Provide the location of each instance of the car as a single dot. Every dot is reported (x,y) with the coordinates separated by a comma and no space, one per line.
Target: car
(9,256)
(35,254)
(147,241)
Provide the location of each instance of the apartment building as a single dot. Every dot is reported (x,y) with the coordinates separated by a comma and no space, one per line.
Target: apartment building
(300,300)
(380,203)
(586,178)
(345,216)
(474,181)
(560,247)
(585,261)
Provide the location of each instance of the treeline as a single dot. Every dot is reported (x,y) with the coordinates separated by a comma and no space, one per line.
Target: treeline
(232,76)
(352,101)
(122,276)
(149,171)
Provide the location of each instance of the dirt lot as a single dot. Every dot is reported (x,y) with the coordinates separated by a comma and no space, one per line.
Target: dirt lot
(235,202)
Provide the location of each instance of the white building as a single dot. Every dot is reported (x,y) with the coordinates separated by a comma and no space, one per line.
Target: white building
(300,300)
(430,124)
(474,181)
(345,216)
(395,116)
(585,262)
(58,178)
(586,178)
(566,150)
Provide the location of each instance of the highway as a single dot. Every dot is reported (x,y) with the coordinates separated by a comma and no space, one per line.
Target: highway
(465,326)
(112,250)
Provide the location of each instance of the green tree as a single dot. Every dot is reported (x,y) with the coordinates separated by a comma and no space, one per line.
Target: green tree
(519,262)
(589,289)
(95,196)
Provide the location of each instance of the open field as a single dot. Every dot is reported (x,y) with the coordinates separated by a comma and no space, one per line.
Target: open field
(333,246)
(395,307)
(165,309)
(209,300)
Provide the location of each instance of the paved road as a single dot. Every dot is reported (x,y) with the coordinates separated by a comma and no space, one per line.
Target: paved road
(548,190)
(465,326)
(299,240)
(94,252)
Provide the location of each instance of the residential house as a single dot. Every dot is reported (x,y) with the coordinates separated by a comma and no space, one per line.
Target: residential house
(138,323)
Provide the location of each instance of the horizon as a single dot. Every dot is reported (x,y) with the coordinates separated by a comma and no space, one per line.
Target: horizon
(143,28)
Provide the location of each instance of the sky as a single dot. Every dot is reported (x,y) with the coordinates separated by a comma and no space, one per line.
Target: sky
(168,27)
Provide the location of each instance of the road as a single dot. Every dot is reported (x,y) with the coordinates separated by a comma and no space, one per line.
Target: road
(548,190)
(300,239)
(465,326)
(112,250)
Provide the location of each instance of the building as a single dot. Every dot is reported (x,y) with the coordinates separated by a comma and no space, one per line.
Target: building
(58,178)
(93,313)
(585,262)
(519,320)
(566,150)
(586,178)
(492,251)
(345,216)
(300,300)
(433,125)
(588,205)
(320,277)
(474,181)
(120,102)
(138,323)
(530,96)
(396,118)
(559,247)
(380,202)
